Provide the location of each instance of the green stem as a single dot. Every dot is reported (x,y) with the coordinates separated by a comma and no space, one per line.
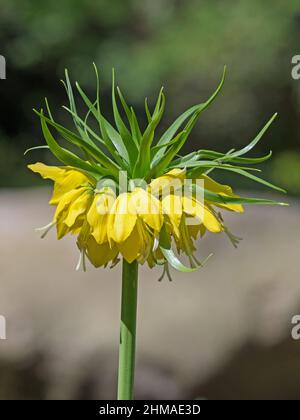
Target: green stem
(128,331)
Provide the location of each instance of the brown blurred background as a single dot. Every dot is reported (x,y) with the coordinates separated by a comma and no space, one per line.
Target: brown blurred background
(224,332)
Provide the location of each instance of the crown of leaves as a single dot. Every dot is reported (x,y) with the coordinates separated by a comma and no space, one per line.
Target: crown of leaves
(107,150)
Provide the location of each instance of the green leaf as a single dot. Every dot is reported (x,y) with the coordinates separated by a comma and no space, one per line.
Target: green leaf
(136,131)
(253,143)
(232,156)
(142,165)
(129,143)
(35,148)
(221,199)
(239,170)
(209,154)
(68,86)
(175,262)
(134,126)
(208,164)
(90,149)
(172,151)
(67,157)
(252,177)
(108,132)
(168,135)
(165,247)
(182,160)
(148,113)
(173,141)
(114,144)
(86,128)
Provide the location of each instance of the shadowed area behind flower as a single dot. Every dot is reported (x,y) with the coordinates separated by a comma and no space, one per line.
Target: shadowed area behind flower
(63,326)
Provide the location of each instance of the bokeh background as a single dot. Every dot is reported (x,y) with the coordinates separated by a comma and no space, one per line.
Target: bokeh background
(221,333)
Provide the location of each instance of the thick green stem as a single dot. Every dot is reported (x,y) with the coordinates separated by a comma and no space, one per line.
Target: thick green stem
(128,331)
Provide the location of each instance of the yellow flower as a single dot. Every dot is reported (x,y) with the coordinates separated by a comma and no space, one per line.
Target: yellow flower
(65,179)
(72,206)
(73,194)
(135,220)
(221,189)
(98,214)
(98,254)
(186,216)
(144,223)
(170,182)
(130,223)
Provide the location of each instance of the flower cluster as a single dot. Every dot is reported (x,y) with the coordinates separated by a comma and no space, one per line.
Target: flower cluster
(157,209)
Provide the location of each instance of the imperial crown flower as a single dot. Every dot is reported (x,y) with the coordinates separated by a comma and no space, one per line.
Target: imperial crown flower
(128,192)
(132,224)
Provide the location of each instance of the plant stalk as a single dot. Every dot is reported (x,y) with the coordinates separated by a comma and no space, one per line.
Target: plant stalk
(128,331)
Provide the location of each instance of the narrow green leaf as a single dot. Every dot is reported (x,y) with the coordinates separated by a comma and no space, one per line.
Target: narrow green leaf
(208,164)
(135,130)
(142,165)
(129,143)
(239,170)
(35,148)
(90,149)
(87,129)
(168,135)
(165,247)
(113,144)
(253,178)
(68,86)
(253,143)
(65,156)
(172,151)
(108,130)
(221,199)
(148,113)
(209,154)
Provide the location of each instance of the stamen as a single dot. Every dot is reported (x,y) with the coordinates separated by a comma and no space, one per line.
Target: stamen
(155,244)
(46,229)
(202,263)
(166,272)
(163,273)
(233,238)
(81,262)
(115,262)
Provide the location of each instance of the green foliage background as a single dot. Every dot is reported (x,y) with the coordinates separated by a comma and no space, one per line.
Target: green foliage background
(182,45)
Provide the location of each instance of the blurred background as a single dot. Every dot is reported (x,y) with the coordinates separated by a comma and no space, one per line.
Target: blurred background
(223,332)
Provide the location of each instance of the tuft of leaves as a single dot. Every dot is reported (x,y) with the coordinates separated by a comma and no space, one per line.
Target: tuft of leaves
(125,146)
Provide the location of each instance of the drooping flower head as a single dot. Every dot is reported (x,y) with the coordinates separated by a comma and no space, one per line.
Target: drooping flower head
(129,193)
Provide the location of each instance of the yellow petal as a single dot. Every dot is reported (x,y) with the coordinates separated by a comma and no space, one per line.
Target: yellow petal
(48,172)
(71,180)
(98,215)
(65,178)
(78,207)
(215,186)
(61,228)
(100,254)
(221,189)
(203,213)
(77,226)
(147,207)
(172,206)
(66,201)
(131,247)
(121,220)
(177,172)
(168,183)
